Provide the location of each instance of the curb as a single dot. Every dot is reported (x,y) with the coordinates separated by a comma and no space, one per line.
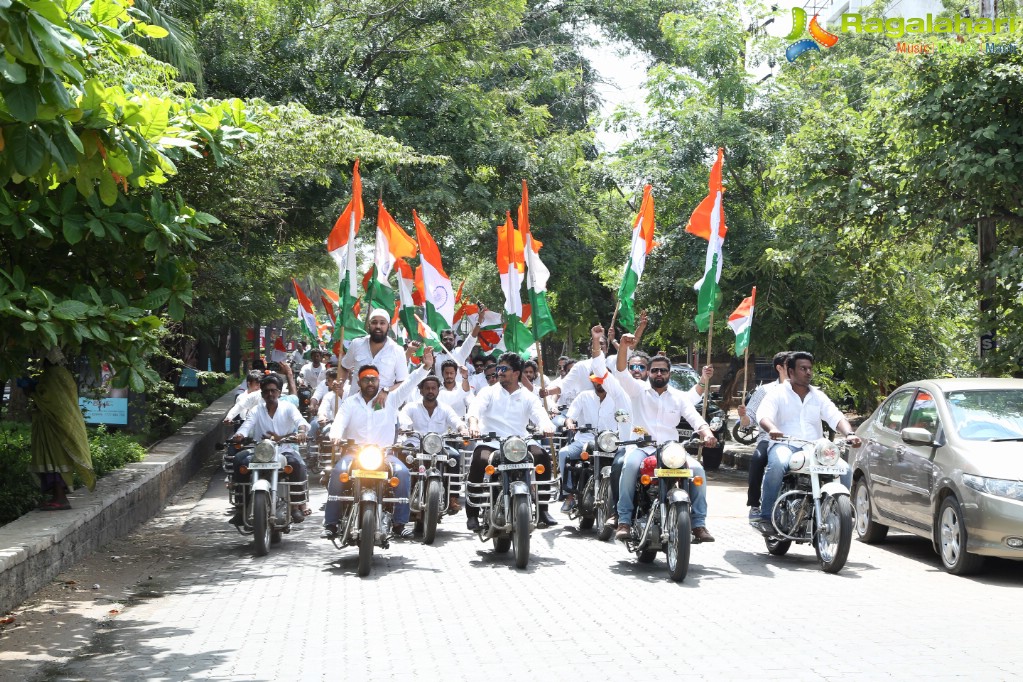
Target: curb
(40,545)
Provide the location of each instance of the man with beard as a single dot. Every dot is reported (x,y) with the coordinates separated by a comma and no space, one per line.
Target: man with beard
(461,353)
(656,408)
(431,416)
(378,350)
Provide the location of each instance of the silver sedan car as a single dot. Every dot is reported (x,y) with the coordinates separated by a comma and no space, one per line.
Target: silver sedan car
(943,459)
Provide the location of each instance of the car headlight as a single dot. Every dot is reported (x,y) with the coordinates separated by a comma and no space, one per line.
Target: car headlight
(371,457)
(796,461)
(265,451)
(514,449)
(432,443)
(826,452)
(999,487)
(716,424)
(673,456)
(607,441)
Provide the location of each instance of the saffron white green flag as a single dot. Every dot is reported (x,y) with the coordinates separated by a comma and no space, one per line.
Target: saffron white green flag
(642,244)
(741,321)
(537,274)
(439,296)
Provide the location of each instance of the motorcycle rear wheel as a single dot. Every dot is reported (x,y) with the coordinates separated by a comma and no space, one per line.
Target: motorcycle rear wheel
(745,436)
(833,547)
(261,522)
(367,537)
(604,510)
(680,530)
(520,530)
(431,513)
(776,547)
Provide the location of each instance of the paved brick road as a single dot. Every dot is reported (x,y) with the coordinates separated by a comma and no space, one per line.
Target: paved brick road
(202,607)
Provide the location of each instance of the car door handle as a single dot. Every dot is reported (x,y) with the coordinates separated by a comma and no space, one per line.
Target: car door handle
(900,451)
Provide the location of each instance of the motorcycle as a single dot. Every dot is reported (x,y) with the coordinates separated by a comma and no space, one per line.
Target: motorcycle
(507,497)
(305,396)
(593,492)
(747,435)
(813,504)
(267,496)
(366,510)
(429,465)
(661,519)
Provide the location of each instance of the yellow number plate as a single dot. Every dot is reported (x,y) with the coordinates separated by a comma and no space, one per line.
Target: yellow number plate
(362,473)
(673,473)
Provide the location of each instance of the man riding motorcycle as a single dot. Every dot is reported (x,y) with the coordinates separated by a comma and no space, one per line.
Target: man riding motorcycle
(505,408)
(747,416)
(360,420)
(379,350)
(656,408)
(795,409)
(276,420)
(431,416)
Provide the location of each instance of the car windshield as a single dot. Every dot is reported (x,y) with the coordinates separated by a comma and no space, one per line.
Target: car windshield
(993,414)
(683,379)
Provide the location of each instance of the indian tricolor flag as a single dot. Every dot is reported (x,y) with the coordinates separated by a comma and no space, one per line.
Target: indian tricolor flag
(437,292)
(428,336)
(708,220)
(406,304)
(392,244)
(642,244)
(280,352)
(741,320)
(341,247)
(347,225)
(537,274)
(306,314)
(511,265)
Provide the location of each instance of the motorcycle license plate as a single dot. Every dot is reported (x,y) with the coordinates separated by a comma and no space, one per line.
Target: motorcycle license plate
(673,473)
(818,469)
(363,473)
(685,433)
(261,465)
(510,467)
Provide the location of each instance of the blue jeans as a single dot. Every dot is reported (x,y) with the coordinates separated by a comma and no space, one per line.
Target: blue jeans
(332,511)
(777,466)
(572,451)
(630,474)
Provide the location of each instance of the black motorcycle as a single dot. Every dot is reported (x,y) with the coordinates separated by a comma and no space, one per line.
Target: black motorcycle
(431,464)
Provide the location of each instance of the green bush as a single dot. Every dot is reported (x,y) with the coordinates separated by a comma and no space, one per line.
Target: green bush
(20,490)
(112,451)
(168,409)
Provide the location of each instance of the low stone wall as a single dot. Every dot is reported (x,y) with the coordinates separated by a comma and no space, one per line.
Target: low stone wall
(37,547)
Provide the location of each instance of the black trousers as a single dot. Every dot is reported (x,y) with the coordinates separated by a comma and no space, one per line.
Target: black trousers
(757,464)
(478,465)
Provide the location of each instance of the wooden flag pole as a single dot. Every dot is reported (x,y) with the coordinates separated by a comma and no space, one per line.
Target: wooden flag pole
(706,385)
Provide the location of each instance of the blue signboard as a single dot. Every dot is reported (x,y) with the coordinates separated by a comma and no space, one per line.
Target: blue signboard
(105,411)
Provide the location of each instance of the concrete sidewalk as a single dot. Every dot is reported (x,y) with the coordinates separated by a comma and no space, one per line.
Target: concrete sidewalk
(38,546)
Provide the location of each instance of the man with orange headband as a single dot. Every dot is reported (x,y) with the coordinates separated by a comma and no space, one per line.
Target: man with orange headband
(362,420)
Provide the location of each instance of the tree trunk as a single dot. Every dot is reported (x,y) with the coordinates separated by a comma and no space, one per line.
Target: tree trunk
(17,407)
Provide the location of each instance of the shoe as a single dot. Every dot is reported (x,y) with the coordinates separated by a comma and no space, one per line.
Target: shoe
(545,519)
(754,514)
(402,531)
(237,519)
(764,526)
(622,533)
(453,506)
(568,505)
(473,523)
(701,534)
(329,531)
(297,515)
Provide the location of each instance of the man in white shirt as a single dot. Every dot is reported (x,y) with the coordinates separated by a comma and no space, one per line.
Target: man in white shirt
(429,415)
(795,409)
(455,391)
(360,419)
(248,401)
(378,350)
(747,416)
(313,372)
(461,353)
(484,376)
(656,408)
(274,419)
(504,409)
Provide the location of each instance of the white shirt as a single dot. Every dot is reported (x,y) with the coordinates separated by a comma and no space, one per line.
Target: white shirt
(244,404)
(658,413)
(799,418)
(478,381)
(507,414)
(313,376)
(457,400)
(459,355)
(414,416)
(321,390)
(754,404)
(286,420)
(575,382)
(589,409)
(358,421)
(389,360)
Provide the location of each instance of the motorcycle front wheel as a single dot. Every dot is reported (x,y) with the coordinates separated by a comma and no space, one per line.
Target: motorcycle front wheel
(746,436)
(431,512)
(834,533)
(520,530)
(604,510)
(261,522)
(680,529)
(586,520)
(367,537)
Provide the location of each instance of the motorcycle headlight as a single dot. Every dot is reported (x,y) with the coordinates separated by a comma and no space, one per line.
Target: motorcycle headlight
(796,461)
(673,456)
(432,443)
(514,449)
(607,441)
(826,452)
(716,424)
(371,457)
(265,451)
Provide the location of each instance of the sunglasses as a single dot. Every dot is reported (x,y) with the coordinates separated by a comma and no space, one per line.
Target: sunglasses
(637,368)
(660,370)
(501,369)
(489,375)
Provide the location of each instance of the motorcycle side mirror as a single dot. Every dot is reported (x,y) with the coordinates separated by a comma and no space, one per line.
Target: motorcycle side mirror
(714,395)
(622,416)
(492,435)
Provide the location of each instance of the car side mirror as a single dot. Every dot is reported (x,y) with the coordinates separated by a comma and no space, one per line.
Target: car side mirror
(917,436)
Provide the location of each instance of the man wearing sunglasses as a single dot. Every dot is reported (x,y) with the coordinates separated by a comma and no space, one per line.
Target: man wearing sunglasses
(656,408)
(505,408)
